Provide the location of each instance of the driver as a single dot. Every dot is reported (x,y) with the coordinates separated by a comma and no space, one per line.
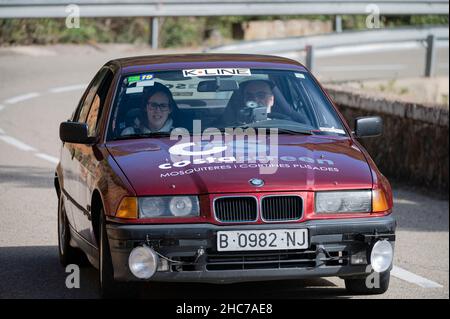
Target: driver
(260,92)
(251,94)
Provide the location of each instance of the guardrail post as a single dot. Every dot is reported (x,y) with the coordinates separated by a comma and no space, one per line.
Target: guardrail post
(338,24)
(309,57)
(431,56)
(154,32)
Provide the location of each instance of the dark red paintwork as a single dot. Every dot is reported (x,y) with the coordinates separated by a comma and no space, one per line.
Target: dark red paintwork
(113,170)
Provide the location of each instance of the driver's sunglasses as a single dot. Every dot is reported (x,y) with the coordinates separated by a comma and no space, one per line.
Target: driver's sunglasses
(257,95)
(163,107)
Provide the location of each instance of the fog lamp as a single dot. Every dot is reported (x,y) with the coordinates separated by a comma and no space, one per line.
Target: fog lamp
(381,256)
(143,262)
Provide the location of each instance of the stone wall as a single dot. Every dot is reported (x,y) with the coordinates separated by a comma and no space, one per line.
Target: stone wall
(256,30)
(414,146)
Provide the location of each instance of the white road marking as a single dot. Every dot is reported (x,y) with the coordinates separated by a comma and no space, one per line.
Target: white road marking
(48,158)
(68,88)
(21,145)
(25,147)
(16,143)
(22,97)
(413,278)
(404,201)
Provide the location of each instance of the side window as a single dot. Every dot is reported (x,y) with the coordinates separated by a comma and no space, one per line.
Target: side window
(93,115)
(83,108)
(98,102)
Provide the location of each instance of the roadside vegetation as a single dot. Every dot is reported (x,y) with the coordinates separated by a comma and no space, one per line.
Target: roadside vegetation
(174,31)
(432,91)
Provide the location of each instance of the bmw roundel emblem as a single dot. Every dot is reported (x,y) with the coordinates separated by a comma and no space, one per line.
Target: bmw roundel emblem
(256,182)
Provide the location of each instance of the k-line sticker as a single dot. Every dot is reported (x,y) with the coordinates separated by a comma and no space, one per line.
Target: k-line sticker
(142,77)
(299,75)
(216,72)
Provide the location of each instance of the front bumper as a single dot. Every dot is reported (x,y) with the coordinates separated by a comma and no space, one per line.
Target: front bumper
(332,245)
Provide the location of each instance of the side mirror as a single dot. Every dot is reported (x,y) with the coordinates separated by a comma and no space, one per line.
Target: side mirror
(368,126)
(74,132)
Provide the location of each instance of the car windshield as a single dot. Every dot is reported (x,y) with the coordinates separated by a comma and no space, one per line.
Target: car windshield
(152,104)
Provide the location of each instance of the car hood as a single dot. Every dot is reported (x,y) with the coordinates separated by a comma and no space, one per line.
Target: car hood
(299,163)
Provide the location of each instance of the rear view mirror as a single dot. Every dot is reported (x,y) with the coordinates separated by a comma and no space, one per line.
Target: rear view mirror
(368,126)
(217,86)
(74,132)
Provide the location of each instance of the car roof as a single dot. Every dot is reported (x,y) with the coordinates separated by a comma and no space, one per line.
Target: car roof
(203,60)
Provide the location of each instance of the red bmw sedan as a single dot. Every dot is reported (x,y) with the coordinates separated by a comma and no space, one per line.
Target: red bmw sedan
(220,168)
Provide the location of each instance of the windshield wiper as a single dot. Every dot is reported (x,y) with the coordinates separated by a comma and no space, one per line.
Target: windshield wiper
(295,132)
(142,135)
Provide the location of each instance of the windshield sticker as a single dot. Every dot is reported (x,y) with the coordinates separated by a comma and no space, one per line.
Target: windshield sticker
(137,78)
(137,89)
(183,93)
(146,77)
(299,75)
(216,72)
(134,78)
(146,83)
(332,130)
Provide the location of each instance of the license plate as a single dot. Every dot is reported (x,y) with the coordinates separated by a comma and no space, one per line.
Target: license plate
(277,239)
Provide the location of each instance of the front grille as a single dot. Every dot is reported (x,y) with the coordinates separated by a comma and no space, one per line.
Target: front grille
(252,260)
(278,208)
(236,209)
(261,260)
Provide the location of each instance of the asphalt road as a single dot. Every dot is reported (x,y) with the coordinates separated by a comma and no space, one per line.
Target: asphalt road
(39,88)
(374,61)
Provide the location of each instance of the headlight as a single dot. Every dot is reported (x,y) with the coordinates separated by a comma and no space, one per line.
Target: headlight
(181,206)
(151,207)
(168,206)
(344,202)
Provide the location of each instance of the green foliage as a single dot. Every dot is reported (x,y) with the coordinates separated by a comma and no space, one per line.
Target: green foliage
(444,99)
(182,31)
(21,31)
(427,20)
(49,31)
(174,31)
(357,22)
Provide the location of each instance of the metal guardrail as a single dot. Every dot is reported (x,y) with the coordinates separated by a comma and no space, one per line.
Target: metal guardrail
(309,44)
(156,8)
(329,40)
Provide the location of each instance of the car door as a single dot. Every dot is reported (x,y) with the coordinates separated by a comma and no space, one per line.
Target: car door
(70,171)
(85,162)
(73,155)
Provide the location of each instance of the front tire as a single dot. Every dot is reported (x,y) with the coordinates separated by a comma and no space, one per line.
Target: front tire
(359,286)
(67,254)
(109,288)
